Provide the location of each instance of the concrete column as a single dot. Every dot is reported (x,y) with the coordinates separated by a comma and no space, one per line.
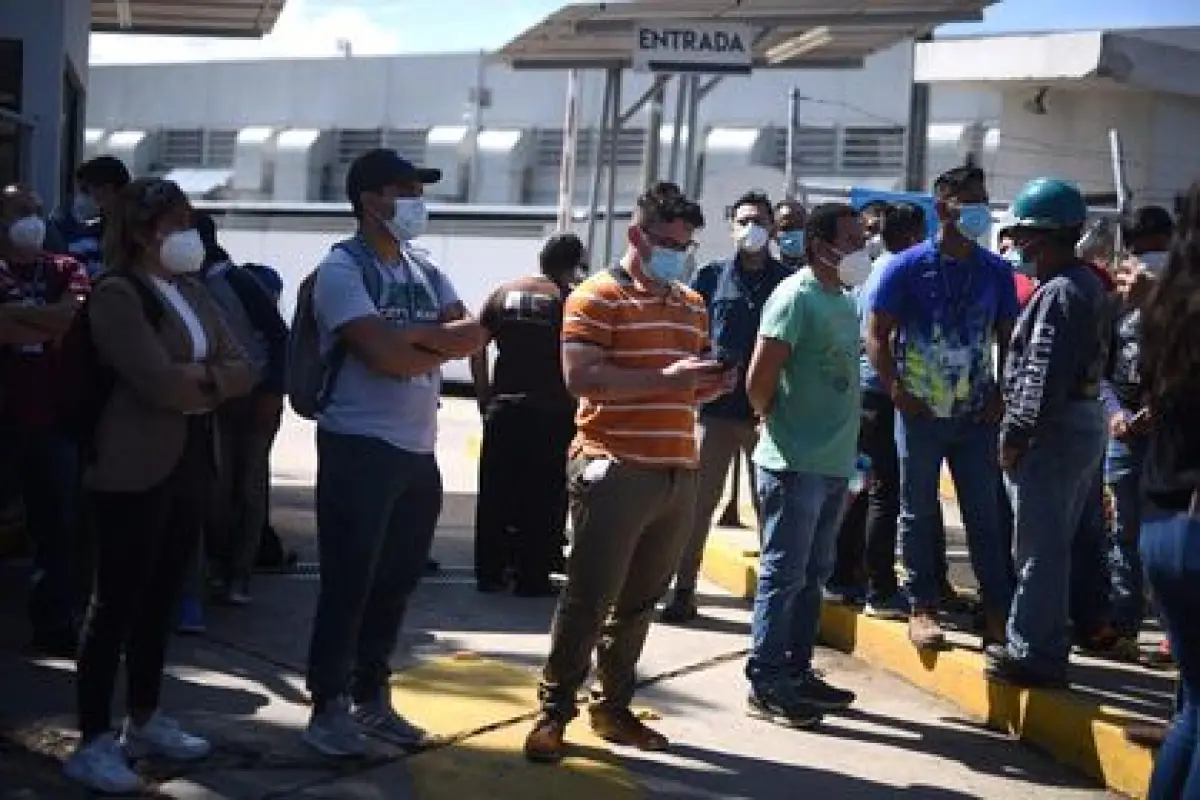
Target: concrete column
(54,36)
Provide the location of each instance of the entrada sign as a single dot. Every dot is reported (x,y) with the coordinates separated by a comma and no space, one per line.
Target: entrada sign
(693,47)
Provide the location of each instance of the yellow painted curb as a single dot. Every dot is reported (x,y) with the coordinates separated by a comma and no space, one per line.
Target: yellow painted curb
(474,446)
(486,709)
(1082,735)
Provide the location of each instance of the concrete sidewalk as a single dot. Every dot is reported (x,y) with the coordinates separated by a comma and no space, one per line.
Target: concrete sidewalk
(469,663)
(1082,727)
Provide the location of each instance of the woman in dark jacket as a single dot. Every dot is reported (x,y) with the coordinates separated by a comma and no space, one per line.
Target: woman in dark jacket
(153,461)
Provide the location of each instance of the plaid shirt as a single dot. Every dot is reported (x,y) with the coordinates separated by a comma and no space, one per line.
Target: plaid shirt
(29,373)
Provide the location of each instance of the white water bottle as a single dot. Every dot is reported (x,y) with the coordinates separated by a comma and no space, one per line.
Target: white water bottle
(862,471)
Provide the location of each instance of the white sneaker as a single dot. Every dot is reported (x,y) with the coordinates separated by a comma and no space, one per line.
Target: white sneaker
(380,719)
(100,765)
(161,736)
(334,733)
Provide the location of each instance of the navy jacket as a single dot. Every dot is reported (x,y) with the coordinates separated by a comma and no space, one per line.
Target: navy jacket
(735,300)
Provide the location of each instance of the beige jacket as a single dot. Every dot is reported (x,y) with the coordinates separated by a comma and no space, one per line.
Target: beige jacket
(142,431)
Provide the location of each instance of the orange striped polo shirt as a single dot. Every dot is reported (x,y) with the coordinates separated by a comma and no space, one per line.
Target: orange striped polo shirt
(638,329)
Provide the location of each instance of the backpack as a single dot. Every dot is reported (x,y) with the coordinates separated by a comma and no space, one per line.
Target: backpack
(86,380)
(311,377)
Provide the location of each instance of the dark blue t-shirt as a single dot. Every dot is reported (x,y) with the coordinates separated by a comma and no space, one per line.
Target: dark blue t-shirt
(947,312)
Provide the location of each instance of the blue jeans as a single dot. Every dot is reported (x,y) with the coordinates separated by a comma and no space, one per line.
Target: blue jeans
(1123,474)
(1091,609)
(1049,489)
(969,447)
(1170,550)
(801,513)
(377,508)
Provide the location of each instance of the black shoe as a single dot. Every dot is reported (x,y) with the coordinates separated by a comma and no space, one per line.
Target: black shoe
(1002,667)
(432,567)
(782,707)
(812,689)
(535,589)
(681,610)
(62,643)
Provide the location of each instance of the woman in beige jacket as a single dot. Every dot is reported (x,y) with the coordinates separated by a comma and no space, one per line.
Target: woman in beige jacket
(150,470)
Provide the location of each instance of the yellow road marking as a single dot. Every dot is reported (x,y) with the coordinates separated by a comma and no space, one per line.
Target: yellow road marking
(454,697)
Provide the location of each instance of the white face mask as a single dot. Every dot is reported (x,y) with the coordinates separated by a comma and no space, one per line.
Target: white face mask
(855,267)
(751,238)
(28,233)
(409,220)
(84,208)
(1154,262)
(182,252)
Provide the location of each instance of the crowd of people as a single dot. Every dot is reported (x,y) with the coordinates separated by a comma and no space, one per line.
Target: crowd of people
(849,353)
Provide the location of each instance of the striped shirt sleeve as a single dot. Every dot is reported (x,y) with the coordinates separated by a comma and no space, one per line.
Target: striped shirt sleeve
(587,319)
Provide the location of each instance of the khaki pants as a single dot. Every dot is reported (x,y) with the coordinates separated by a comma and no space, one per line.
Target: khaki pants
(721,442)
(630,524)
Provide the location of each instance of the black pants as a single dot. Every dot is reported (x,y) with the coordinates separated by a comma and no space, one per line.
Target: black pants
(522,506)
(144,541)
(866,547)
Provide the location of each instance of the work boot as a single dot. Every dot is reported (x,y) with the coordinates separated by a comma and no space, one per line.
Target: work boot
(620,726)
(924,631)
(545,744)
(682,608)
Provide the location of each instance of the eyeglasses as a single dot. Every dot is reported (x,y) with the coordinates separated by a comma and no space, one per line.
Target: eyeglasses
(670,244)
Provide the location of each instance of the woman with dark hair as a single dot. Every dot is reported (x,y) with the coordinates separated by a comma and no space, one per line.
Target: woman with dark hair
(1170,539)
(153,457)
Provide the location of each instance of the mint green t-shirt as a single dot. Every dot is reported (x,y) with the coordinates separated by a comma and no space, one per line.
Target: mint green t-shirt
(813,423)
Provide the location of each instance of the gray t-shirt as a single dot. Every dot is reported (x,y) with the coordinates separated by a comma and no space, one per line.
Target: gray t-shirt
(401,412)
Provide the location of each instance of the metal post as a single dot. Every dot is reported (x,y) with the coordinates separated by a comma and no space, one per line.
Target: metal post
(598,161)
(566,173)
(689,158)
(917,141)
(677,130)
(1117,152)
(614,135)
(789,165)
(476,127)
(654,121)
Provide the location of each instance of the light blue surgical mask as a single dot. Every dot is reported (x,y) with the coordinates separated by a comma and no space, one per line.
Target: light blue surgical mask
(666,265)
(975,221)
(791,244)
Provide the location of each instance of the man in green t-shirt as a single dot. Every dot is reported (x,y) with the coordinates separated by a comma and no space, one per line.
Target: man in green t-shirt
(803,381)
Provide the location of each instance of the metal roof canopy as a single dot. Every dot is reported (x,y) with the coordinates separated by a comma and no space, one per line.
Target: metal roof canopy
(815,34)
(247,19)
(788,34)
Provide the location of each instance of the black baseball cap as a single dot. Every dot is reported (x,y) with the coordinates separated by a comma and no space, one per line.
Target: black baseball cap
(375,169)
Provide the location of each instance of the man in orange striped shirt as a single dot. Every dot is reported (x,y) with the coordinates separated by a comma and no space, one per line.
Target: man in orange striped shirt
(634,345)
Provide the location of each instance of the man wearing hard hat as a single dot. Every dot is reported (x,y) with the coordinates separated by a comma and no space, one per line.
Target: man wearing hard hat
(1053,433)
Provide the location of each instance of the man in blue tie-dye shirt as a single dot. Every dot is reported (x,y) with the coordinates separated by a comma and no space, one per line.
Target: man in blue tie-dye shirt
(937,312)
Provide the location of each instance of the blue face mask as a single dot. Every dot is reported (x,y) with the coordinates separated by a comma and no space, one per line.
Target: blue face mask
(666,266)
(791,244)
(975,221)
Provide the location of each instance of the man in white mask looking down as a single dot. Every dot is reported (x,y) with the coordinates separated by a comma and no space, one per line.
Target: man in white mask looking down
(734,291)
(392,319)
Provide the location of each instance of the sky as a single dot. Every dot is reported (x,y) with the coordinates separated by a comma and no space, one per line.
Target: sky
(310,28)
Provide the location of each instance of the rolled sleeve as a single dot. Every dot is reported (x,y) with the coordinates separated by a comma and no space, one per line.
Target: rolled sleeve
(783,317)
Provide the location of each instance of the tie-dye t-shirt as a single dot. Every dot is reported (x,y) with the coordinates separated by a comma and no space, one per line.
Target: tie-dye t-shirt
(947,312)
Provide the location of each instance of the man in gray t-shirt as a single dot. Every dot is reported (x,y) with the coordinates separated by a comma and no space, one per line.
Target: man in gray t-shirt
(379,491)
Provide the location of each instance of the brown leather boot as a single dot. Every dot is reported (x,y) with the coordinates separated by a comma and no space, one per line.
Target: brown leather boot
(924,631)
(545,743)
(620,726)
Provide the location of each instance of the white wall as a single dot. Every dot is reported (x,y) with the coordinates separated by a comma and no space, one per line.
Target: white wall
(55,35)
(422,91)
(1071,140)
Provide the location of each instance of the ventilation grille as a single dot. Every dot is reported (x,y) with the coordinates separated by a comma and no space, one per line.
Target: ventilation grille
(844,151)
(350,143)
(630,145)
(197,148)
